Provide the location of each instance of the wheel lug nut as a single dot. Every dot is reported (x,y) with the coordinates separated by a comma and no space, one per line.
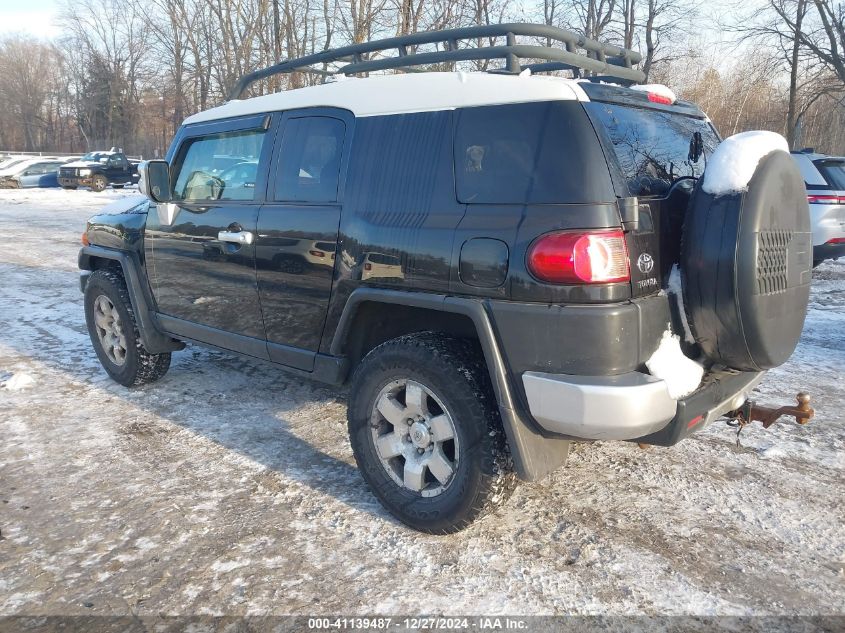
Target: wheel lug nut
(420,451)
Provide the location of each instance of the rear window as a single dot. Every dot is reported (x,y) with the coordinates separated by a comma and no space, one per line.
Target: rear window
(531,153)
(653,147)
(833,172)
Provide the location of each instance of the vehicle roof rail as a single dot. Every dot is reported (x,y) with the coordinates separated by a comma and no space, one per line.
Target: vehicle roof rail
(577,54)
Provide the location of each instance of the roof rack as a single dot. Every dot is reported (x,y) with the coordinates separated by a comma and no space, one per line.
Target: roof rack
(611,61)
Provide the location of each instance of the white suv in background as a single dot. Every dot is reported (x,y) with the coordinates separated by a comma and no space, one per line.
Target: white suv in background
(824,177)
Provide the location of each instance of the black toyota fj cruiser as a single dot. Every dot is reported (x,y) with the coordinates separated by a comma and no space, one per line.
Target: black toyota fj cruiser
(485,256)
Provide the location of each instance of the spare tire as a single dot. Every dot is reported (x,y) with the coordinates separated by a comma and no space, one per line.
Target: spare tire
(746,267)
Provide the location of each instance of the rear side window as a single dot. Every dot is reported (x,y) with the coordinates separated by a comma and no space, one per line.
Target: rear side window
(654,148)
(198,178)
(309,160)
(833,172)
(531,153)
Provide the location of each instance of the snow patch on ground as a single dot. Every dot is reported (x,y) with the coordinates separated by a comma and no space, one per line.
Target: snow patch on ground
(18,382)
(681,374)
(91,473)
(731,166)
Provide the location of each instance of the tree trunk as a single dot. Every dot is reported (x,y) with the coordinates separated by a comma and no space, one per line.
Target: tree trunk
(793,75)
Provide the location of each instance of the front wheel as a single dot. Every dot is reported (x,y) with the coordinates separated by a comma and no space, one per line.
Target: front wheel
(99,183)
(426,433)
(114,332)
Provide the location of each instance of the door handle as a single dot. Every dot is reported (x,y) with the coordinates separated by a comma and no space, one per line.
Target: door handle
(239,237)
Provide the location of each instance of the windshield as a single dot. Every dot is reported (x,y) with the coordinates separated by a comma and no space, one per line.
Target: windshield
(833,172)
(654,148)
(94,156)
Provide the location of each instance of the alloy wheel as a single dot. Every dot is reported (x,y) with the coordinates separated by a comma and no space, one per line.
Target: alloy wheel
(110,330)
(414,437)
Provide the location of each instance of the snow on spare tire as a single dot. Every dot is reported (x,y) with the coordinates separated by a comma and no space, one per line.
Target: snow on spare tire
(746,254)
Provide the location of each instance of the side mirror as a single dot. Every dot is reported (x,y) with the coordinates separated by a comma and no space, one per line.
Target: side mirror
(154,180)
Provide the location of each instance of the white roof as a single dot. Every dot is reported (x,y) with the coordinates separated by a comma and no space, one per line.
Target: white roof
(412,92)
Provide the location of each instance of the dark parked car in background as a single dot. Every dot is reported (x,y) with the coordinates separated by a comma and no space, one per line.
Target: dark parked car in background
(32,173)
(98,170)
(824,177)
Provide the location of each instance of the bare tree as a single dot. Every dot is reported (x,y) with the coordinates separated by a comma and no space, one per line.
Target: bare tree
(24,65)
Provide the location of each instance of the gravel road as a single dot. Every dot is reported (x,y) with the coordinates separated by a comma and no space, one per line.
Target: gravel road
(229,487)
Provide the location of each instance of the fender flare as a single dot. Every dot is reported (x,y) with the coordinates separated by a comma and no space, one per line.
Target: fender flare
(534,453)
(152,338)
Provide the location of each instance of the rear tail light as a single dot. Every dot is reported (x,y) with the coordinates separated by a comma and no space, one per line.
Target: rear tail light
(580,257)
(836,240)
(316,253)
(826,199)
(368,266)
(656,98)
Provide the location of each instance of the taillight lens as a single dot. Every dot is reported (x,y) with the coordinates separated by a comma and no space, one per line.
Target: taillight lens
(826,199)
(836,240)
(580,257)
(662,99)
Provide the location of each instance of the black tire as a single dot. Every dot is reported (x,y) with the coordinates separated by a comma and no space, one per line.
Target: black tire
(68,187)
(453,370)
(99,183)
(118,186)
(139,366)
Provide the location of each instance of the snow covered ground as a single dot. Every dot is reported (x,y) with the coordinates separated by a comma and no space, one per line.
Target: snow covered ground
(229,487)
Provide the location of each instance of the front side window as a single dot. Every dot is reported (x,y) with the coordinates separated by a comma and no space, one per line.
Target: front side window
(309,160)
(199,178)
(35,170)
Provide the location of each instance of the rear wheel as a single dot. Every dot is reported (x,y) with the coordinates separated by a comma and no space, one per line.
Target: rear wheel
(426,433)
(114,332)
(99,183)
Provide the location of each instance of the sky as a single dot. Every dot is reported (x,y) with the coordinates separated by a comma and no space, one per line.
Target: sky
(34,17)
(38,18)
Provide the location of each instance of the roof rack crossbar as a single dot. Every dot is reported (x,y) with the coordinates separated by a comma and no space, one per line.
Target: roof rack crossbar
(610,60)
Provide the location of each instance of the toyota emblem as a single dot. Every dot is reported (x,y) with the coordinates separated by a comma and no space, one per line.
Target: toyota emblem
(645,263)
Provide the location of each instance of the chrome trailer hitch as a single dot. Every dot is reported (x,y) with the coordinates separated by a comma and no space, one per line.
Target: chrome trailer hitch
(752,412)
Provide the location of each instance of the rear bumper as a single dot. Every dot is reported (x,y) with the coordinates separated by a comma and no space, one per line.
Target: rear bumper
(631,406)
(619,407)
(700,409)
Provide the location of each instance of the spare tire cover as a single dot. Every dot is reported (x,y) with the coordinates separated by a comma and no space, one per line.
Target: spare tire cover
(746,267)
